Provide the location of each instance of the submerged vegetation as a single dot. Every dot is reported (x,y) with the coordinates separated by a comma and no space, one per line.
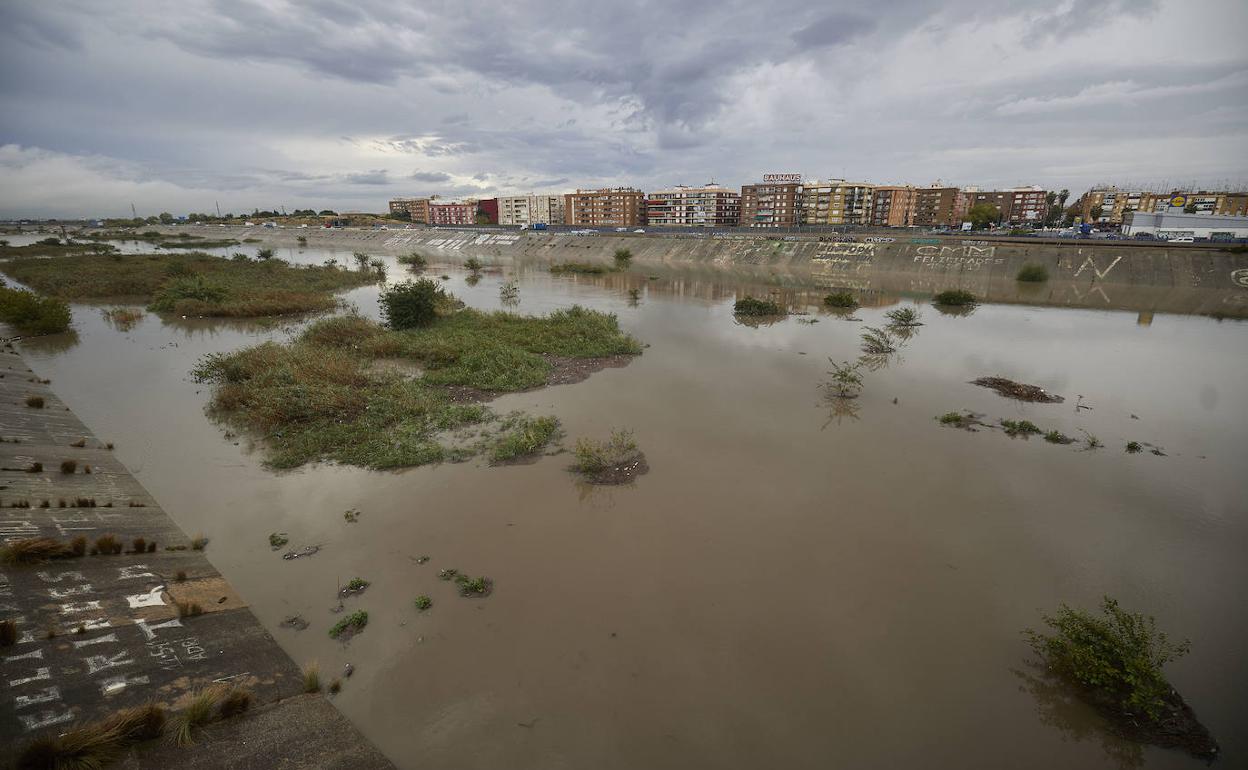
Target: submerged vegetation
(524,437)
(350,625)
(30,313)
(877,342)
(191,284)
(325,396)
(1115,659)
(841,299)
(752,306)
(614,461)
(955,298)
(845,380)
(579,267)
(903,317)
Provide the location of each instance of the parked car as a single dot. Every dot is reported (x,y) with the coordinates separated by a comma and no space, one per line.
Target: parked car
(1185,239)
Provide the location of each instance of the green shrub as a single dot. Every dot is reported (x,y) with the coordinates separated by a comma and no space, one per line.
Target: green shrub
(414,260)
(622,257)
(750,306)
(1019,427)
(1118,656)
(579,267)
(1033,273)
(904,317)
(30,313)
(264,254)
(846,382)
(955,298)
(1057,437)
(423,602)
(412,303)
(844,299)
(877,342)
(473,265)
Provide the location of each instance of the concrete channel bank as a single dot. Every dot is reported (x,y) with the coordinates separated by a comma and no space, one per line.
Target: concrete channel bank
(99,633)
(1126,275)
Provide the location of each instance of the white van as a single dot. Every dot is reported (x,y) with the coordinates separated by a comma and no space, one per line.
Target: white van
(1184,239)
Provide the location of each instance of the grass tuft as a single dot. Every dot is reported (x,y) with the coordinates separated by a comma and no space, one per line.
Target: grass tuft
(198,710)
(955,298)
(350,625)
(903,317)
(877,342)
(33,550)
(754,307)
(584,268)
(598,456)
(526,437)
(1022,428)
(841,299)
(312,678)
(423,602)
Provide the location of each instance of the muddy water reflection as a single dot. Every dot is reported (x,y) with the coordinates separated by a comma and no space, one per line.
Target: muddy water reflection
(789,586)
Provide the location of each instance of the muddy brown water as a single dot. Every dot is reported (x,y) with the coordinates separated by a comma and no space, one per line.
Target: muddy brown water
(791,585)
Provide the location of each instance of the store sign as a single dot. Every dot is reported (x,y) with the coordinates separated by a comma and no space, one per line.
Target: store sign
(780,178)
(1178,201)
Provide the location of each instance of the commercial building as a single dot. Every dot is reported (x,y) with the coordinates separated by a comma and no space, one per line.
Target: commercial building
(524,210)
(892,206)
(938,206)
(453,213)
(1167,225)
(682,206)
(776,202)
(836,202)
(1018,205)
(414,209)
(608,207)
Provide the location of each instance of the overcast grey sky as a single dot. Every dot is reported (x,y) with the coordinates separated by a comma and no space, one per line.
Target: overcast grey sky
(346,103)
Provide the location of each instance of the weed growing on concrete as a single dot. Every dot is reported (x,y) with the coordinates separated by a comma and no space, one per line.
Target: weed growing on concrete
(955,298)
(188,609)
(33,550)
(199,542)
(350,625)
(78,546)
(108,544)
(312,678)
(181,576)
(34,402)
(1031,273)
(198,710)
(525,437)
(93,745)
(235,701)
(139,545)
(335,686)
(623,258)
(79,444)
(753,307)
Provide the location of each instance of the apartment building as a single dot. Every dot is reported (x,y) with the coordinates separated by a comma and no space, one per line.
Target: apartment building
(776,202)
(524,210)
(414,209)
(892,206)
(453,213)
(608,207)
(938,206)
(1232,205)
(1018,205)
(681,206)
(836,202)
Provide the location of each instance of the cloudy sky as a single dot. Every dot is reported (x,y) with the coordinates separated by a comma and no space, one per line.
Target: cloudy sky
(346,103)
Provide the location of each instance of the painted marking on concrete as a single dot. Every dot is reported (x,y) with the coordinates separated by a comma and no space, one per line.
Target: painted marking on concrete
(98,663)
(149,631)
(69,609)
(115,684)
(41,673)
(1089,262)
(36,654)
(1240,277)
(45,718)
(46,695)
(131,572)
(106,639)
(152,598)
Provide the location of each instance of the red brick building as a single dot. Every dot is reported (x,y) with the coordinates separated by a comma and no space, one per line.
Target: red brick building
(452,213)
(608,207)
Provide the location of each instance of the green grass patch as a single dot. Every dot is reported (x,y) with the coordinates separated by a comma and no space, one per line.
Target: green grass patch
(1030,273)
(955,298)
(1020,428)
(191,284)
(325,397)
(597,456)
(525,437)
(423,602)
(1057,437)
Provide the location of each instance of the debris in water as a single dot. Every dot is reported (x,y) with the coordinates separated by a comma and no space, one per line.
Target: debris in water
(305,551)
(348,670)
(1018,390)
(294,621)
(422,559)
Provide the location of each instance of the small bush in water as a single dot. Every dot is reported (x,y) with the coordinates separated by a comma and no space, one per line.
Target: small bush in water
(750,306)
(411,303)
(955,298)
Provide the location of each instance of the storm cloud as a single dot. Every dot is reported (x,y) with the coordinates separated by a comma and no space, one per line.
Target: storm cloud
(344,104)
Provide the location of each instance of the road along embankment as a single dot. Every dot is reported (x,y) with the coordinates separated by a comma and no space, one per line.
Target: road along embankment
(1083,273)
(134,613)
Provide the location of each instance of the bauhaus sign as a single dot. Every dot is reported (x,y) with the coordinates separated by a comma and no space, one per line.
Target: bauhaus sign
(773,178)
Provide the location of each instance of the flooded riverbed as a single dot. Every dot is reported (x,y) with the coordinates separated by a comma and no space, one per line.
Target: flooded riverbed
(795,583)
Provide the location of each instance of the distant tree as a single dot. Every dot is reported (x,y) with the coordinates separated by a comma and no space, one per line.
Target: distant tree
(1071,213)
(165,217)
(1095,212)
(982,215)
(328,213)
(1061,198)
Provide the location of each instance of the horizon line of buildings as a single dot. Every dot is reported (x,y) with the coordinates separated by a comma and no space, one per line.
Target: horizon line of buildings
(786,200)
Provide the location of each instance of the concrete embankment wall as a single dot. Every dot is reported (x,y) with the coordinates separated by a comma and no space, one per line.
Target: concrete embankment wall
(1178,278)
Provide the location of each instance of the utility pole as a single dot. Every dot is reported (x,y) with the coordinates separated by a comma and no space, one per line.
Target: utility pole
(133,214)
(218,203)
